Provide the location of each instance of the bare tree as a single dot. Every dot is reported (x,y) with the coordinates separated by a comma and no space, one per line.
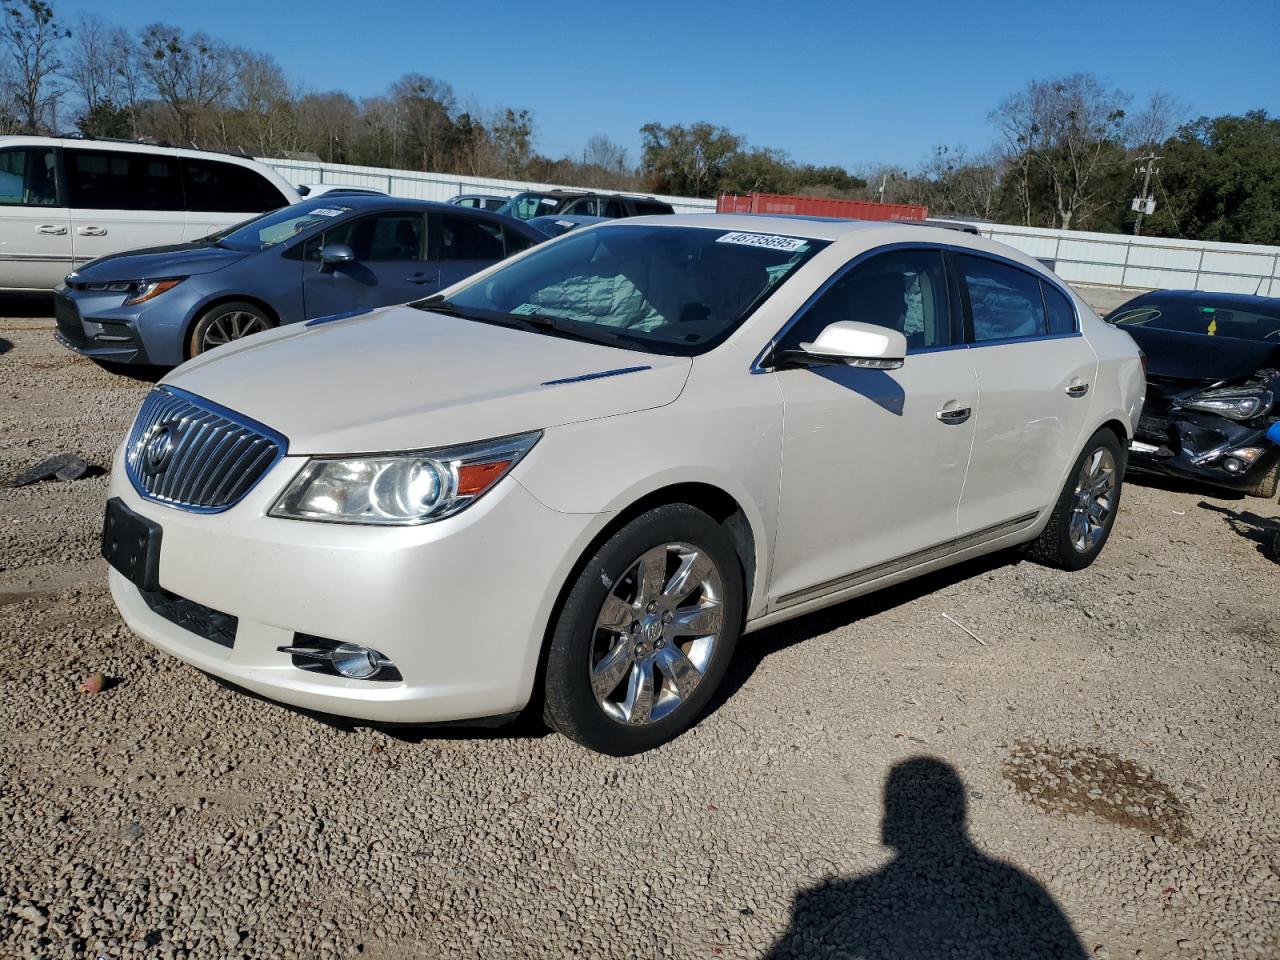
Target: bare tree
(189,74)
(91,63)
(1156,122)
(1062,129)
(31,35)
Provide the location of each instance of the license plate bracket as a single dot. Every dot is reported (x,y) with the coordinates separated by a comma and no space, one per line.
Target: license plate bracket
(131,544)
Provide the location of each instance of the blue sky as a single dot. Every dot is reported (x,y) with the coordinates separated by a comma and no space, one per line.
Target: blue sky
(847,83)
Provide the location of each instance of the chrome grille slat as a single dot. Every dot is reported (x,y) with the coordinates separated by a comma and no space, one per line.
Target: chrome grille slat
(213,460)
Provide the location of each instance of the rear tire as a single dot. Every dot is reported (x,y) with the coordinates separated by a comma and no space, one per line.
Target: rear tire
(1086,510)
(646,633)
(225,322)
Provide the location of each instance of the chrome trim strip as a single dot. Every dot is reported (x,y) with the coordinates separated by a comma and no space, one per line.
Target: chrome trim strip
(35,258)
(594,376)
(947,547)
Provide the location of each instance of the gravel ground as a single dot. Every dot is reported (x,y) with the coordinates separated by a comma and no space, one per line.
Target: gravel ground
(1100,778)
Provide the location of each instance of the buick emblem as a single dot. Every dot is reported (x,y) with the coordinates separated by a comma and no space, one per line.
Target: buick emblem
(159,448)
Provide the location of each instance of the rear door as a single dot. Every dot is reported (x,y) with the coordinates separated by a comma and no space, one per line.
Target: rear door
(388,267)
(35,228)
(122,201)
(219,194)
(1035,385)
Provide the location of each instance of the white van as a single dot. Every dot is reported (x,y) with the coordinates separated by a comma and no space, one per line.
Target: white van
(66,202)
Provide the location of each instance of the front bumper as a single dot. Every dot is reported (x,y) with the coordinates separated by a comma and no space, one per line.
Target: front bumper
(459,606)
(1197,446)
(113,339)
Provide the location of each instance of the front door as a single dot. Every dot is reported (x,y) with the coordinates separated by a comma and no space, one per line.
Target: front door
(1035,376)
(35,231)
(873,461)
(388,267)
(122,201)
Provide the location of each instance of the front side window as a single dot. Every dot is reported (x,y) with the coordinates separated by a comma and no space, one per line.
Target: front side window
(217,187)
(677,290)
(106,180)
(27,177)
(526,206)
(905,290)
(585,207)
(1006,302)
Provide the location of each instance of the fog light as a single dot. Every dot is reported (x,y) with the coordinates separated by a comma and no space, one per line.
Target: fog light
(1232,465)
(357,662)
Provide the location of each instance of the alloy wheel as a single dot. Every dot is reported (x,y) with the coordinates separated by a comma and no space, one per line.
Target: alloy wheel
(231,326)
(1094,499)
(656,632)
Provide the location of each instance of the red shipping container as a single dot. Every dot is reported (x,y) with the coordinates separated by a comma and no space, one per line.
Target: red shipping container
(819,207)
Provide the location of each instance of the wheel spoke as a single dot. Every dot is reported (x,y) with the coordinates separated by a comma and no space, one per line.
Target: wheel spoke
(679,670)
(697,621)
(693,571)
(652,574)
(639,702)
(1078,527)
(608,673)
(617,615)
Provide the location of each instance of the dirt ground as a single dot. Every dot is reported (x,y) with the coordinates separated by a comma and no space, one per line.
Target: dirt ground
(1099,777)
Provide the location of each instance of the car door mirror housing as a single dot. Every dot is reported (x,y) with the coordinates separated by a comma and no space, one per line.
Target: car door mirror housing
(334,254)
(852,344)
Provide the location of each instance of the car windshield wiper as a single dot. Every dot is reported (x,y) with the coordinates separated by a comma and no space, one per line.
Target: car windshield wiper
(536,322)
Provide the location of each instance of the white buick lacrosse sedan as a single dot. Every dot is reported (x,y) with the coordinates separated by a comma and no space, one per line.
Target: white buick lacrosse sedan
(575,479)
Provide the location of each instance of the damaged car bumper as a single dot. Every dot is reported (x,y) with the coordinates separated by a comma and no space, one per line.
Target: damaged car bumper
(1205,448)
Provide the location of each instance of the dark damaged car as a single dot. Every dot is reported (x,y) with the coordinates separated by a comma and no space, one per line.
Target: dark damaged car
(1213,386)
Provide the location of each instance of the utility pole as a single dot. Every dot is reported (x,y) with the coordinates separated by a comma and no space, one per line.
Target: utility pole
(1145,203)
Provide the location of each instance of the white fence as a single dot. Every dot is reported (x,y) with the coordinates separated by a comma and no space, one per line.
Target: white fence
(1106,259)
(1120,260)
(429,186)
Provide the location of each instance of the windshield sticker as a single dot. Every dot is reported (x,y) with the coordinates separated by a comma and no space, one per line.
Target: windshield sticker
(769,241)
(329,211)
(524,310)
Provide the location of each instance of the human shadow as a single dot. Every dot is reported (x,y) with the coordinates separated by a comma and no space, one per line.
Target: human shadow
(1263,531)
(940,896)
(26,305)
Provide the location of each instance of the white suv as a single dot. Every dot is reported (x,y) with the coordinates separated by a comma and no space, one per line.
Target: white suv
(66,202)
(577,477)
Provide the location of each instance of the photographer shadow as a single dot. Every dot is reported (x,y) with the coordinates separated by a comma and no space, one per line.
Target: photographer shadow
(939,897)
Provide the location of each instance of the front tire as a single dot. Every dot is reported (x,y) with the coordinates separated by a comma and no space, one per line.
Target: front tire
(225,322)
(646,633)
(1082,518)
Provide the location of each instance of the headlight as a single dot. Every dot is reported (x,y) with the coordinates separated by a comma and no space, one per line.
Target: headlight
(1232,404)
(403,488)
(150,288)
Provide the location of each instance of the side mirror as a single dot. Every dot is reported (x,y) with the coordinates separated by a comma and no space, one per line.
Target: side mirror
(335,254)
(304,190)
(854,345)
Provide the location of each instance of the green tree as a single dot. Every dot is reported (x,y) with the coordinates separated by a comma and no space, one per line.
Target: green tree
(687,161)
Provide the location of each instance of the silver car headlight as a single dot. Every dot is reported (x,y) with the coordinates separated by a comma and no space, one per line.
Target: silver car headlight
(1234,404)
(400,489)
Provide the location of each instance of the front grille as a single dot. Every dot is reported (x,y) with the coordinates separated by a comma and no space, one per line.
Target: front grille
(68,319)
(188,452)
(198,619)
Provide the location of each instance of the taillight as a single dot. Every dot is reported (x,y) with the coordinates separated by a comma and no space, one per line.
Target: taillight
(1142,355)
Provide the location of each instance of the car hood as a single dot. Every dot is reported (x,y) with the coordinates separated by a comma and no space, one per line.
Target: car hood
(178,260)
(1197,358)
(399,378)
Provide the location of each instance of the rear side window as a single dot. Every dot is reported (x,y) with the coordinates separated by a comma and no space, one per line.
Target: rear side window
(104,180)
(1062,318)
(27,177)
(612,208)
(217,187)
(647,208)
(468,238)
(1006,302)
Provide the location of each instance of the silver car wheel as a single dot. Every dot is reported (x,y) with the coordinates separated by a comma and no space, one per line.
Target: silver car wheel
(656,633)
(1095,495)
(229,326)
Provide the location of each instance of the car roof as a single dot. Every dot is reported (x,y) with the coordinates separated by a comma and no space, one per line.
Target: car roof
(1239,299)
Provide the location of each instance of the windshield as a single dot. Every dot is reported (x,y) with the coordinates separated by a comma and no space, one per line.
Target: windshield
(526,206)
(677,290)
(277,226)
(1222,319)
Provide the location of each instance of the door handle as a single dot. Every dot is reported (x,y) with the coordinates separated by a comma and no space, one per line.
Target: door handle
(1077,389)
(955,415)
(91,231)
(53,229)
